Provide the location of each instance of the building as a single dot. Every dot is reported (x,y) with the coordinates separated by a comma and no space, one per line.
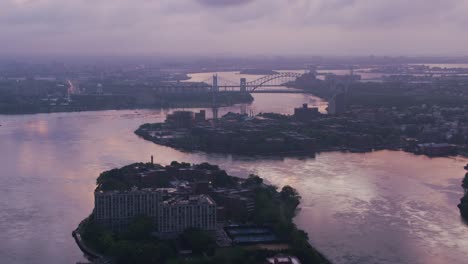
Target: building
(181,118)
(170,212)
(237,204)
(305,113)
(117,209)
(337,104)
(179,213)
(436,149)
(186,118)
(200,116)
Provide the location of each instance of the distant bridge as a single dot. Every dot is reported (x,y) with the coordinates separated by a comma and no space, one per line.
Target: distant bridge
(219,84)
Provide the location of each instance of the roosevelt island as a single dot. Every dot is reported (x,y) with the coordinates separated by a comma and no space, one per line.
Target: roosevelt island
(192,213)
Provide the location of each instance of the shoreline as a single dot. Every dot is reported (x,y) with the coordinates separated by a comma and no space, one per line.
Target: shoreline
(87,251)
(298,153)
(95,257)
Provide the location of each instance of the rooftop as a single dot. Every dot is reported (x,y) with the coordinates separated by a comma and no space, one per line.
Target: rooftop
(187,200)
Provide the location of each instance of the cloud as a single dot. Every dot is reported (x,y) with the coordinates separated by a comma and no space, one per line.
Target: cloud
(233,26)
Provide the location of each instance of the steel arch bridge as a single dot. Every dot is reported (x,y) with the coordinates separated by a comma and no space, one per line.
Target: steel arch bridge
(278,79)
(219,84)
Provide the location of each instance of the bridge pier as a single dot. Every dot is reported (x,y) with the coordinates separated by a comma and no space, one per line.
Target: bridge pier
(243,85)
(215,83)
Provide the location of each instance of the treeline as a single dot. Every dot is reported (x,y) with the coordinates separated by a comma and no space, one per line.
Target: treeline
(463,206)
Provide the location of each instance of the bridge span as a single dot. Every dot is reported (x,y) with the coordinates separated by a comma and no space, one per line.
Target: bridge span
(274,82)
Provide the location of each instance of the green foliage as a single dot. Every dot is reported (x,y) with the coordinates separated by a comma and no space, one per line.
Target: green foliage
(253,180)
(139,229)
(197,240)
(180,164)
(233,255)
(465,183)
(222,179)
(134,246)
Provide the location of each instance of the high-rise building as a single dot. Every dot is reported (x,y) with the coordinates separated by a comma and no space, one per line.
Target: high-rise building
(116,209)
(170,212)
(306,113)
(179,213)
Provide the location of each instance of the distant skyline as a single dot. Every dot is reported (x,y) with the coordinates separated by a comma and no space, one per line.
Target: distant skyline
(234,27)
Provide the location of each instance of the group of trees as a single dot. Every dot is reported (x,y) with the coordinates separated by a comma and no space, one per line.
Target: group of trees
(198,241)
(233,255)
(278,209)
(136,245)
(463,206)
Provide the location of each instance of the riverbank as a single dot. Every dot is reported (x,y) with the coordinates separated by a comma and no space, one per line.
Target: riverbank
(435,130)
(90,253)
(83,103)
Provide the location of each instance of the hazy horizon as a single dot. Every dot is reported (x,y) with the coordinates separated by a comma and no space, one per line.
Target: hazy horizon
(234,27)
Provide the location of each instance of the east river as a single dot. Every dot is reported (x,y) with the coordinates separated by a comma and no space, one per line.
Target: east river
(381,207)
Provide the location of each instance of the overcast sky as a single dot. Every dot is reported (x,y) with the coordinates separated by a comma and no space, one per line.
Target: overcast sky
(235,27)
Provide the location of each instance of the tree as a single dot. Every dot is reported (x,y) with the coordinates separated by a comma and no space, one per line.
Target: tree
(289,192)
(140,228)
(197,240)
(253,180)
(465,183)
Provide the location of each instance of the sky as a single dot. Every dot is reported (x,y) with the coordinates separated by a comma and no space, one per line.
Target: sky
(234,27)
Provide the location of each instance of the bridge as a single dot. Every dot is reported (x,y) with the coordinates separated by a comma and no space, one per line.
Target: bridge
(219,84)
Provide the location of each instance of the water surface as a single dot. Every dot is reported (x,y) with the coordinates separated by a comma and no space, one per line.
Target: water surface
(382,207)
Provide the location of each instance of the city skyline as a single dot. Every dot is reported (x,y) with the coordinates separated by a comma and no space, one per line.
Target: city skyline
(240,27)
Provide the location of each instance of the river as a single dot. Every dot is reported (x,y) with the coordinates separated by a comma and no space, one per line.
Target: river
(381,207)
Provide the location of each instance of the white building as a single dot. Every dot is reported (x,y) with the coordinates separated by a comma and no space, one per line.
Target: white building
(116,209)
(179,213)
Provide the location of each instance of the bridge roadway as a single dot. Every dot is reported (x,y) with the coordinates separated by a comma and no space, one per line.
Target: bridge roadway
(280,91)
(236,89)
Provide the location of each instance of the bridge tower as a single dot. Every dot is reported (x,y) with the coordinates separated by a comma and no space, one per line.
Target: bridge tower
(243,85)
(214,110)
(215,83)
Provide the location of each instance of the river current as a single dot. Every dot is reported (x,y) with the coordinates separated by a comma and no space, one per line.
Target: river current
(380,207)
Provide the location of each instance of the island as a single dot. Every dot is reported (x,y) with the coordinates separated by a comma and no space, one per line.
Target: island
(192,213)
(368,122)
(304,133)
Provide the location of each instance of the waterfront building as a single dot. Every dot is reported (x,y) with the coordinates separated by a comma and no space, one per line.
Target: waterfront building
(436,149)
(116,209)
(186,118)
(305,112)
(237,204)
(200,116)
(181,118)
(179,213)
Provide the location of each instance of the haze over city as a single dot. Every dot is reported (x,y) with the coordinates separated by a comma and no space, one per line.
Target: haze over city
(234,27)
(233,131)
